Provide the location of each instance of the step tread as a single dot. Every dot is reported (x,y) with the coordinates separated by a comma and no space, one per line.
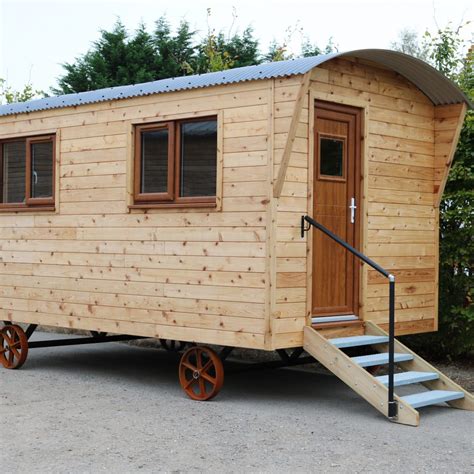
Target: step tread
(355,341)
(432,397)
(380,359)
(407,378)
(334,319)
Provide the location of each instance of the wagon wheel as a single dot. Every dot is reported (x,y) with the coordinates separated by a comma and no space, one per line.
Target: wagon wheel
(201,373)
(172,346)
(13,346)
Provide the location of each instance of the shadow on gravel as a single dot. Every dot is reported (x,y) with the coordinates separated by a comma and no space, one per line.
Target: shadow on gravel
(150,369)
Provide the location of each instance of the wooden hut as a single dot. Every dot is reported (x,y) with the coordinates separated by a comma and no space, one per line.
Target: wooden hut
(173,209)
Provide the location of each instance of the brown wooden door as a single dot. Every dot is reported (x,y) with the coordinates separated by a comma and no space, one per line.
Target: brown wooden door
(336,189)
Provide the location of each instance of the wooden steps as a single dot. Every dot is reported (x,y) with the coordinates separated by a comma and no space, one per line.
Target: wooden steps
(329,352)
(357,341)
(379,359)
(407,378)
(432,397)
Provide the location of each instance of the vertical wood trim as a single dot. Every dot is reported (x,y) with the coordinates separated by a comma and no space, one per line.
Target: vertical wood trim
(437,263)
(130,165)
(270,281)
(363,210)
(220,159)
(454,143)
(309,241)
(57,170)
(291,134)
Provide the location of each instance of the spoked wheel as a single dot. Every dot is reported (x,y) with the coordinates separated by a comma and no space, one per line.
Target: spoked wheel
(172,346)
(201,373)
(13,346)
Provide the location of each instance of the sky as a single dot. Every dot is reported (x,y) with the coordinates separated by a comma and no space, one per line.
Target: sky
(37,36)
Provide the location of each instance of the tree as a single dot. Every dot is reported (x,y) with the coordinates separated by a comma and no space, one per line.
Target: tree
(456,336)
(277,52)
(217,53)
(119,58)
(312,49)
(176,54)
(444,49)
(8,95)
(409,43)
(115,59)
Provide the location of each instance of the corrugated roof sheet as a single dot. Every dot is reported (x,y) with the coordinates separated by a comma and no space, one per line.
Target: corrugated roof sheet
(438,88)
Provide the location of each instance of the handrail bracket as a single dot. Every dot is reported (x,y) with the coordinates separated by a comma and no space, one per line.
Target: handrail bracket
(303,227)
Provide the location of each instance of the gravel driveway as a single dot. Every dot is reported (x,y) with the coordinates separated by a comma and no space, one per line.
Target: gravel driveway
(116,408)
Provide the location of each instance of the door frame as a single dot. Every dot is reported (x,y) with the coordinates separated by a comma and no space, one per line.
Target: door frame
(361,235)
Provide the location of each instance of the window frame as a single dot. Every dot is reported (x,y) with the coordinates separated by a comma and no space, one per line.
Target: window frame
(172,197)
(30,203)
(153,197)
(44,201)
(328,177)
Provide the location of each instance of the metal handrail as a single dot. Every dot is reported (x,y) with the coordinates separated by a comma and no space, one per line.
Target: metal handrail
(392,404)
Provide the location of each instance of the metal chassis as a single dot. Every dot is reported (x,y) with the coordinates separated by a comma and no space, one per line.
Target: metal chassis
(291,359)
(96,337)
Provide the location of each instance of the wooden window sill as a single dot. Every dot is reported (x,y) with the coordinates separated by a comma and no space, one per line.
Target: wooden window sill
(173,205)
(28,209)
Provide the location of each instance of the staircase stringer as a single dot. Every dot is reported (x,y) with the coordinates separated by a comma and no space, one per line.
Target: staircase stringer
(421,365)
(356,377)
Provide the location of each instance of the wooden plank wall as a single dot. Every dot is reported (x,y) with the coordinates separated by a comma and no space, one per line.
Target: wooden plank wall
(400,216)
(194,274)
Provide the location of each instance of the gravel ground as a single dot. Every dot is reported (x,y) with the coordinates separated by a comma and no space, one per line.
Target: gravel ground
(118,408)
(461,372)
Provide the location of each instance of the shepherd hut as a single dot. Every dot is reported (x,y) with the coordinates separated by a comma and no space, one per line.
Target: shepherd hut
(281,206)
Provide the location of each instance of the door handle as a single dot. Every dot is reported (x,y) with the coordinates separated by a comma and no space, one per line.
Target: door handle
(353,208)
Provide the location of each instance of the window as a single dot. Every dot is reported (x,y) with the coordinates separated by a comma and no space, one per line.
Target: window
(176,162)
(331,157)
(27,172)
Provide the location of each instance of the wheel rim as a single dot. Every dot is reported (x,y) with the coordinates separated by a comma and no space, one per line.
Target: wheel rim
(201,373)
(13,346)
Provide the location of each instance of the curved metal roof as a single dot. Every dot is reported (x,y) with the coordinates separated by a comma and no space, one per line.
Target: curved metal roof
(437,87)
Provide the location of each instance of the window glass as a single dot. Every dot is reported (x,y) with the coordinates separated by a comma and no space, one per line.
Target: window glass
(198,158)
(154,165)
(42,169)
(331,160)
(14,172)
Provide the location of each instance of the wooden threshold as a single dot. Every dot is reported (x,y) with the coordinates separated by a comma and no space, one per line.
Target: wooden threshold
(340,329)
